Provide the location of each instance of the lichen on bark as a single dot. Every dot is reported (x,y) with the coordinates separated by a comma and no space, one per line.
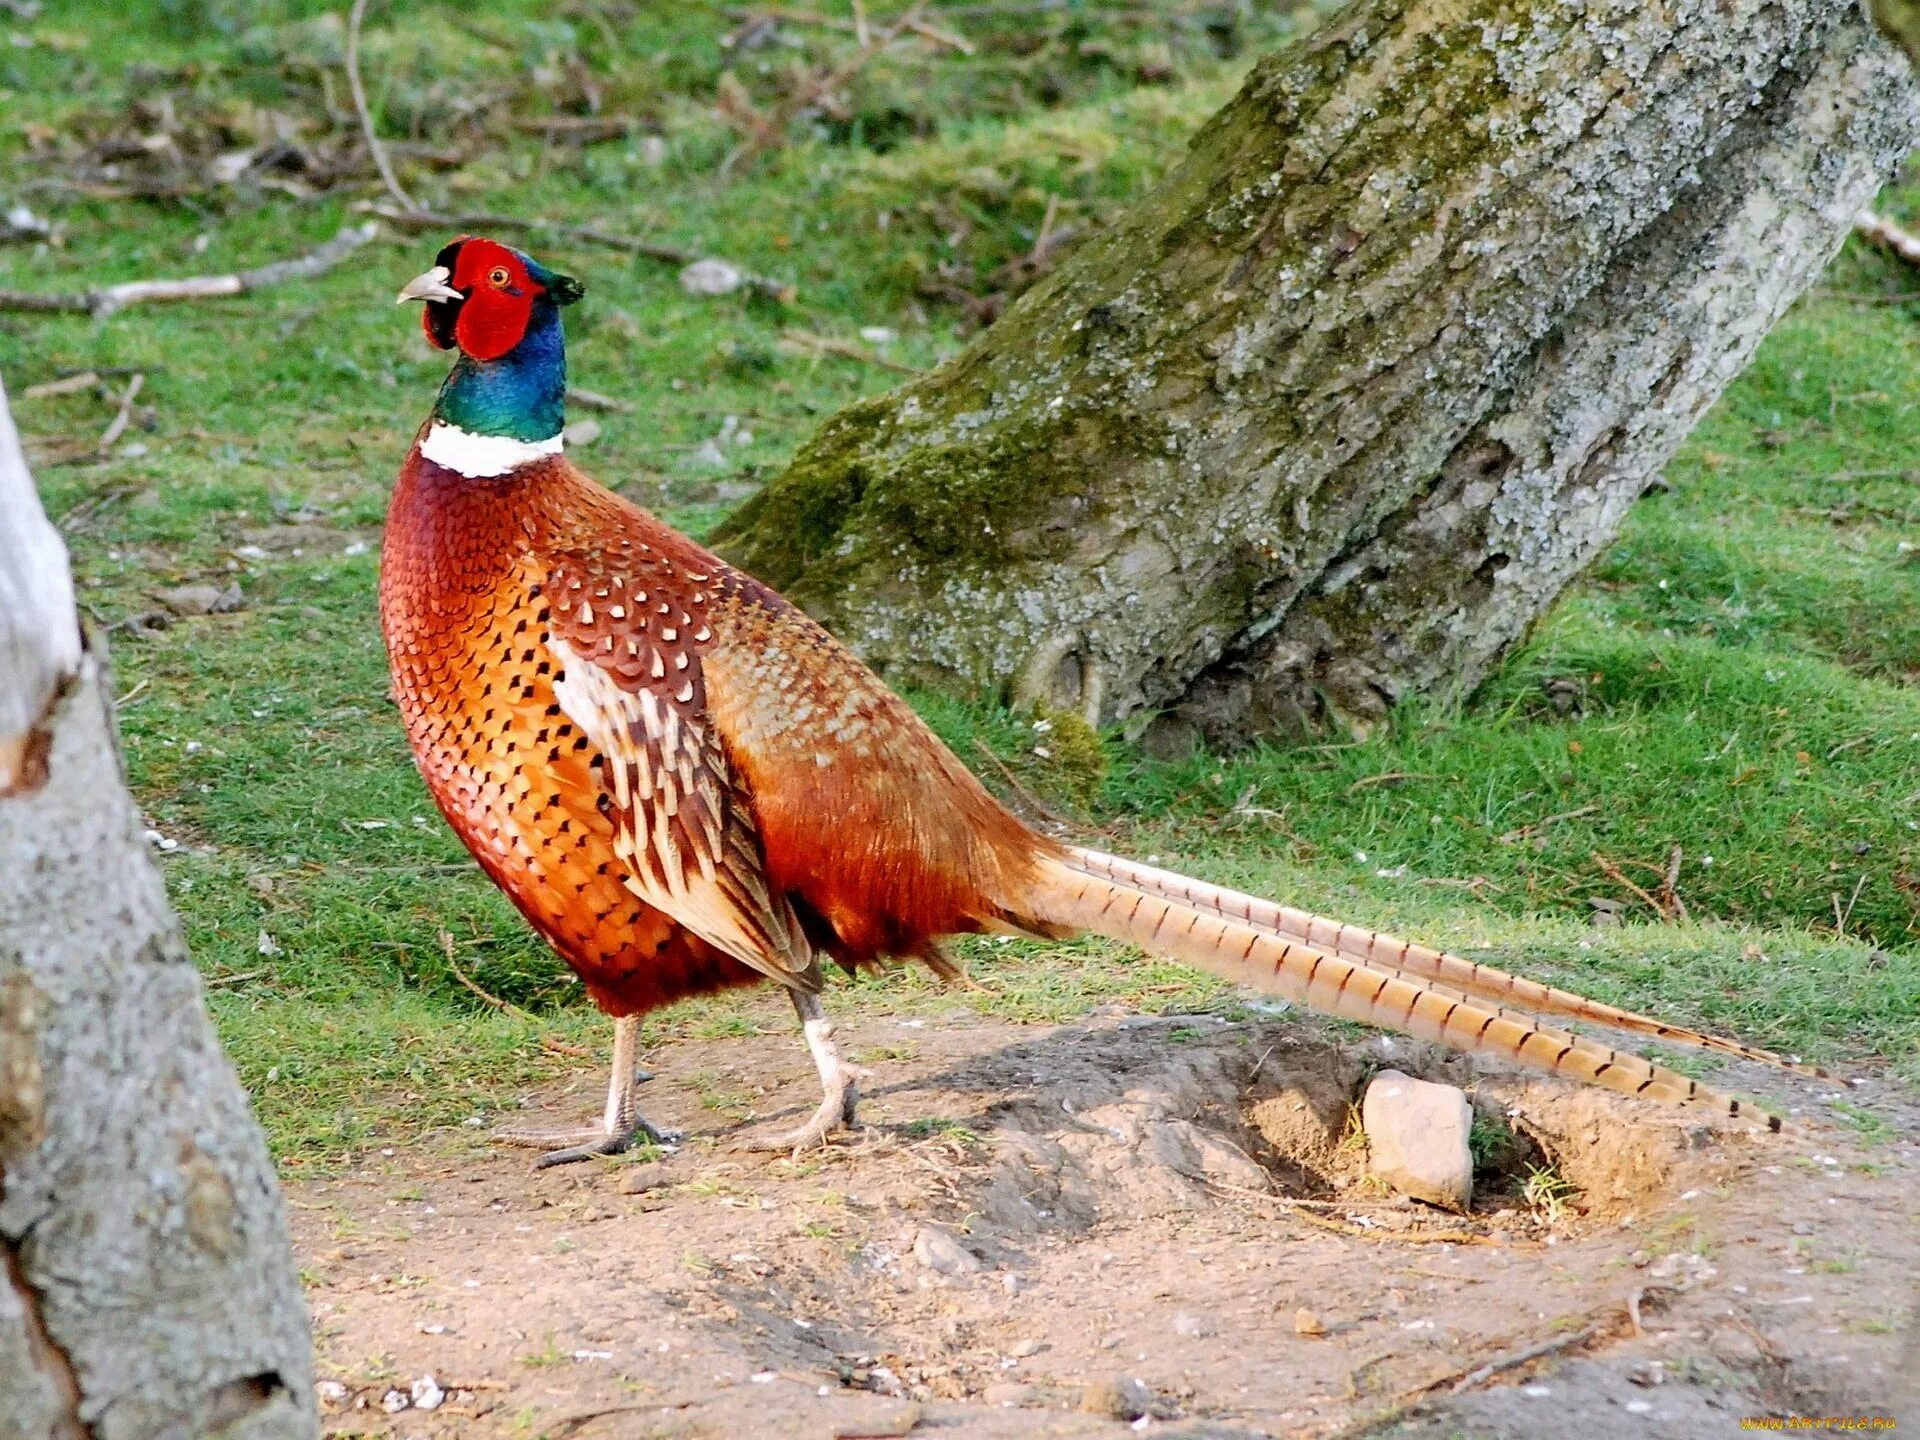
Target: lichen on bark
(1335,410)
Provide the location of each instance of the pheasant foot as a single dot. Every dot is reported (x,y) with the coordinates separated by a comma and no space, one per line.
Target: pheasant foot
(838,1078)
(621,1126)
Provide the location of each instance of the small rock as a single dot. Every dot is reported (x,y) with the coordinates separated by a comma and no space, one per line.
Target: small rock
(1417,1138)
(426,1393)
(1012,1283)
(653,151)
(394,1401)
(1194,1327)
(582,432)
(201,599)
(1027,1348)
(1120,1396)
(642,1178)
(1010,1394)
(330,1392)
(711,277)
(1606,904)
(900,1420)
(707,456)
(940,1252)
(1306,1323)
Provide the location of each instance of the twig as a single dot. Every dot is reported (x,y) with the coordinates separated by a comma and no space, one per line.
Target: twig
(118,426)
(763,285)
(1614,873)
(1560,1344)
(66,385)
(594,400)
(379,151)
(1527,830)
(108,299)
(770,130)
(446,948)
(1040,806)
(121,702)
(214,981)
(1389,777)
(1882,233)
(1669,886)
(562,1047)
(845,349)
(1840,919)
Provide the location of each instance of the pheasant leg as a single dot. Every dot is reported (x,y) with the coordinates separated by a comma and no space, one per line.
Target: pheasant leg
(618,1129)
(837,1078)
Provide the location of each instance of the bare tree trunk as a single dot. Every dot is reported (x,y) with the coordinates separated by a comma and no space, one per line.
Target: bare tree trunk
(1336,411)
(147,1288)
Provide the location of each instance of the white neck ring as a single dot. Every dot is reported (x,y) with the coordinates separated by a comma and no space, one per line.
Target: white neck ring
(482,457)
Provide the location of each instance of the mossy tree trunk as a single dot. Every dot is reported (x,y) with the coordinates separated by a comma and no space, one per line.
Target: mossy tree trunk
(147,1289)
(1334,413)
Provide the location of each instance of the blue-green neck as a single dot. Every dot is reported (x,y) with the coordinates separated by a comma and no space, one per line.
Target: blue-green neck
(522,395)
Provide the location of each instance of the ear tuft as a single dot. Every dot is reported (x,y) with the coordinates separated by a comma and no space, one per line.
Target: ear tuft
(565,289)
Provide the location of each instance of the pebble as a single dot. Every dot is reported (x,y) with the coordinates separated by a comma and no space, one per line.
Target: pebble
(1119,1396)
(1193,1327)
(1027,1348)
(582,432)
(900,1420)
(642,1178)
(711,277)
(1306,1323)
(1010,1394)
(1417,1138)
(940,1252)
(201,599)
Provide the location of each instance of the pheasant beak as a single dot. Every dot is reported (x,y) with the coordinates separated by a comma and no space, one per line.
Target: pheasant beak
(430,286)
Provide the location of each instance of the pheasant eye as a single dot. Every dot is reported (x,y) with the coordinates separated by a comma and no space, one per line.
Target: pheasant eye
(498,277)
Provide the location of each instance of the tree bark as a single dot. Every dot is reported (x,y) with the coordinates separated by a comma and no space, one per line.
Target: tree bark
(1336,411)
(147,1289)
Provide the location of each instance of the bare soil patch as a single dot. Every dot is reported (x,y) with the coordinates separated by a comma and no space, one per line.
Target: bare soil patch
(1041,1219)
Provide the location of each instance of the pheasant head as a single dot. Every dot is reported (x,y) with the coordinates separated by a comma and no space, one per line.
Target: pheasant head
(504,402)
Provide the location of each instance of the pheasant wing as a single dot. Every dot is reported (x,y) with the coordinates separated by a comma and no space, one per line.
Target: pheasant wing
(629,676)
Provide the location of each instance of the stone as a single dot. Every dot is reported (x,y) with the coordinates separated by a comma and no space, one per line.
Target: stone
(711,277)
(1010,1394)
(940,1252)
(1308,1324)
(201,599)
(642,1178)
(1120,1397)
(1417,1138)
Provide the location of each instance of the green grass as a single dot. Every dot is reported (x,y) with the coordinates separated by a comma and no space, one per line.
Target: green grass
(1736,678)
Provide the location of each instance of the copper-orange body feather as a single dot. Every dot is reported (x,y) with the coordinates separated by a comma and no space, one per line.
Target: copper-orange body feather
(882,841)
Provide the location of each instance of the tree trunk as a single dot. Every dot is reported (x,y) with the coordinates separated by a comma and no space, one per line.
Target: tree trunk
(1335,412)
(148,1287)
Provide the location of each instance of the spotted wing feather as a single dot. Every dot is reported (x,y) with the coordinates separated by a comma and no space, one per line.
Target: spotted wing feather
(628,647)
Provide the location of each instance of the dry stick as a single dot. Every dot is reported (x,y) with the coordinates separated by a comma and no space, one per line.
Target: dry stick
(1885,235)
(107,299)
(594,400)
(1578,1340)
(1538,825)
(1389,777)
(649,249)
(379,151)
(1040,807)
(85,380)
(769,131)
(845,349)
(119,424)
(446,948)
(1614,873)
(1670,885)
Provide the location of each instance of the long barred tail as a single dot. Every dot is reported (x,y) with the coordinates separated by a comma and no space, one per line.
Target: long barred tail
(1385,952)
(1067,897)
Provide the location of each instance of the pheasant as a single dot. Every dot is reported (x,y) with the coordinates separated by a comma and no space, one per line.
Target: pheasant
(685,784)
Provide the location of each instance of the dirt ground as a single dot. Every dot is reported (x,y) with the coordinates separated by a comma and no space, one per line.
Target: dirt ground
(1104,1228)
